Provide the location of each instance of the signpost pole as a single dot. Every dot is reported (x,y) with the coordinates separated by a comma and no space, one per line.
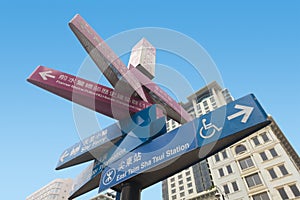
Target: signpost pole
(130,190)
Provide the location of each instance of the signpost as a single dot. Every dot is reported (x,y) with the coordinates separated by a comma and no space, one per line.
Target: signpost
(119,75)
(114,153)
(86,93)
(95,144)
(186,145)
(115,140)
(110,144)
(136,152)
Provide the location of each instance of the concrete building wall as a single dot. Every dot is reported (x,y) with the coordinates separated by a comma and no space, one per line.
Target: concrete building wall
(58,189)
(265,161)
(260,167)
(195,182)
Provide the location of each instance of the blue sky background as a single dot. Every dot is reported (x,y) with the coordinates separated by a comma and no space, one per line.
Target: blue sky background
(255,45)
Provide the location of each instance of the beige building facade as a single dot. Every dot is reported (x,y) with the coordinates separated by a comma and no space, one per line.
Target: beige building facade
(58,189)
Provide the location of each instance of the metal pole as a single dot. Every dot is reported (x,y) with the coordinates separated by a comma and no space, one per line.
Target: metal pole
(130,191)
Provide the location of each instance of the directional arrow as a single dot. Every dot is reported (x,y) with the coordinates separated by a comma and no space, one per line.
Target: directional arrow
(245,110)
(46,74)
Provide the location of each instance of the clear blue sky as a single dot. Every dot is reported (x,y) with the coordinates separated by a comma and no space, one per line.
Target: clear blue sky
(256,47)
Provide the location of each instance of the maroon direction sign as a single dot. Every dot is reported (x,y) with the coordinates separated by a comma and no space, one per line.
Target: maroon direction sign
(119,75)
(86,93)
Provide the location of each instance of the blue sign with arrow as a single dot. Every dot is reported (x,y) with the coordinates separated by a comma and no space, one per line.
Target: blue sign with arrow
(186,145)
(135,129)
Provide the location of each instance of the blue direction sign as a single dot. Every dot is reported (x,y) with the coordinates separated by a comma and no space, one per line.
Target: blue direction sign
(186,145)
(85,150)
(138,128)
(131,141)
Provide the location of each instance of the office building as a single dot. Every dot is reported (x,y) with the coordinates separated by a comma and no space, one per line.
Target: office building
(57,189)
(196,180)
(262,166)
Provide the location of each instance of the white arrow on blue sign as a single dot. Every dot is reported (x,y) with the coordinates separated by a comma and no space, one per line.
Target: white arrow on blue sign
(186,145)
(140,127)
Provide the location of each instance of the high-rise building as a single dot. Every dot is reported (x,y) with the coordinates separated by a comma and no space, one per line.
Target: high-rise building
(262,166)
(196,180)
(57,189)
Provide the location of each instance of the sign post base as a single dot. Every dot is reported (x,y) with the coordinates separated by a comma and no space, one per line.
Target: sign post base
(130,190)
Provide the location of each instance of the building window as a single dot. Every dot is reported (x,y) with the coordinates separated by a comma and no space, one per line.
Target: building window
(263,156)
(172,185)
(239,149)
(181,188)
(256,141)
(235,186)
(221,172)
(272,173)
(207,110)
(199,112)
(261,196)
(180,176)
(217,157)
(188,179)
(224,154)
(282,193)
(265,137)
(174,197)
(273,152)
(187,173)
(226,189)
(214,105)
(229,169)
(246,163)
(190,185)
(182,194)
(58,184)
(191,191)
(253,180)
(173,191)
(172,179)
(295,190)
(180,182)
(283,170)
(57,190)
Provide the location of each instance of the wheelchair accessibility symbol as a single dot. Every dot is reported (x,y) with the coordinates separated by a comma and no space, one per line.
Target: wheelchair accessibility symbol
(109,176)
(209,128)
